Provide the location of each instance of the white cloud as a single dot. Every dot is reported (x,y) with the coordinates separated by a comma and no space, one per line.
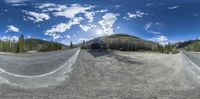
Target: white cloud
(85,28)
(102,11)
(154,32)
(56,36)
(107,23)
(160,39)
(12,28)
(75,13)
(117,6)
(73,10)
(67,36)
(15,1)
(69,11)
(174,7)
(62,27)
(37,17)
(150,27)
(90,16)
(46,5)
(9,38)
(137,14)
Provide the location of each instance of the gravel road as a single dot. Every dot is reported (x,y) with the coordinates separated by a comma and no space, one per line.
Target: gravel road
(116,75)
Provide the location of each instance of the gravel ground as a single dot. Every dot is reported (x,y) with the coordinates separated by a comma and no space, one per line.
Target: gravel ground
(117,75)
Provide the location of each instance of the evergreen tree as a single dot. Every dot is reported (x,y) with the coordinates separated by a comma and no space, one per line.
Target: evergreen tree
(21,44)
(71,44)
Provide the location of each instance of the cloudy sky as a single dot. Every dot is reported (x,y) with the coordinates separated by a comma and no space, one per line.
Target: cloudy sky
(66,20)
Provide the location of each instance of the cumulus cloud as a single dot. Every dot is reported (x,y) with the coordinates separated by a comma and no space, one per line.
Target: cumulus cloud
(36,17)
(137,14)
(107,23)
(161,39)
(62,27)
(73,10)
(90,16)
(75,13)
(174,7)
(12,28)
(86,28)
(49,7)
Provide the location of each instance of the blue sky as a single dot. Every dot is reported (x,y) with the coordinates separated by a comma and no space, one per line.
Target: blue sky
(63,21)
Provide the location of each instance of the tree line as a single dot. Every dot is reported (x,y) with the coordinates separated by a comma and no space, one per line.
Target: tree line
(22,45)
(129,45)
(195,46)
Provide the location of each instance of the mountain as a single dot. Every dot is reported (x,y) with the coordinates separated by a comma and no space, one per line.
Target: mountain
(191,45)
(122,42)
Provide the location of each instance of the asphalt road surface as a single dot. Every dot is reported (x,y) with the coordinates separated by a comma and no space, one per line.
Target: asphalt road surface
(193,57)
(107,75)
(34,64)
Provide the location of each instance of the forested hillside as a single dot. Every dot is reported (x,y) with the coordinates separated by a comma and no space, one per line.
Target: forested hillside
(32,44)
(122,42)
(126,42)
(191,45)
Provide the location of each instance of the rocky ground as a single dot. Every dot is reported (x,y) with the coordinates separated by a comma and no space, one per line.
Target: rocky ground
(117,75)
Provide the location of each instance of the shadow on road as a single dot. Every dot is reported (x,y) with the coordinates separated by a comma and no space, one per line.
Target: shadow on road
(98,53)
(127,60)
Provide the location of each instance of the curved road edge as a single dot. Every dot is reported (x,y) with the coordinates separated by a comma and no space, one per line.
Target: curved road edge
(191,68)
(189,60)
(52,78)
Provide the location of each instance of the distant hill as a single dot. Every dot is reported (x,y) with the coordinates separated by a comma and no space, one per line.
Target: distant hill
(191,45)
(43,45)
(123,42)
(184,44)
(123,36)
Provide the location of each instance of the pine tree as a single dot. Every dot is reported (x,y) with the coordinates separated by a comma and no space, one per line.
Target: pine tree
(21,44)
(71,44)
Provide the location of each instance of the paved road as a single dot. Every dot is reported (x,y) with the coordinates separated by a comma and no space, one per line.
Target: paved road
(36,64)
(193,57)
